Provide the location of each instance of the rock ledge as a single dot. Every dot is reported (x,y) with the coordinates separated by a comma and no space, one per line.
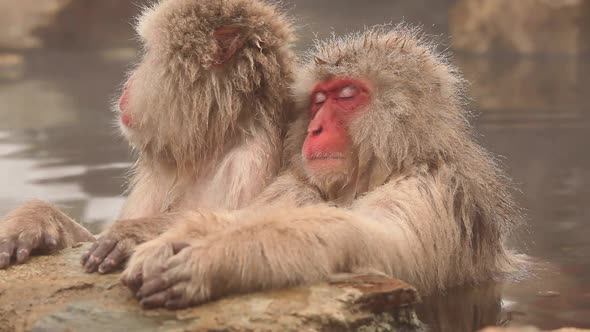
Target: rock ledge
(51,293)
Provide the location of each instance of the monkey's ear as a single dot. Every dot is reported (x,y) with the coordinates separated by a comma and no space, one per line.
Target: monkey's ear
(229,40)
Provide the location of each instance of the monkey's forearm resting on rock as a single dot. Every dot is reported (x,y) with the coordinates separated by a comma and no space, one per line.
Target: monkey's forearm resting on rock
(401,229)
(37,227)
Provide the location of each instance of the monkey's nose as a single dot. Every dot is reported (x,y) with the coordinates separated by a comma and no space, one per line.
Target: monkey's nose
(126,119)
(316,131)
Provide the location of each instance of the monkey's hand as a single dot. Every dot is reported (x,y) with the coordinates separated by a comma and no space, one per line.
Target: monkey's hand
(37,228)
(149,261)
(185,279)
(117,243)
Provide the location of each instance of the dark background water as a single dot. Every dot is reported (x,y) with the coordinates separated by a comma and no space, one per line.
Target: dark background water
(58,143)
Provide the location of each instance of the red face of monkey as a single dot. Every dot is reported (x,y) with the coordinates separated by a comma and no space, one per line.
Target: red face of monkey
(334,104)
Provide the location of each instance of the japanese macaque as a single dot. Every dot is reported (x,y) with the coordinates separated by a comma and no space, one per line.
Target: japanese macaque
(205,109)
(384,176)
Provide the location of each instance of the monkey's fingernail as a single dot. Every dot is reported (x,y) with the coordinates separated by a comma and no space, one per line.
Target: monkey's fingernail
(52,244)
(106,266)
(92,262)
(90,265)
(21,255)
(84,257)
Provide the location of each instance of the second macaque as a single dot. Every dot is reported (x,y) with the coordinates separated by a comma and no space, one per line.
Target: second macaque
(205,110)
(384,177)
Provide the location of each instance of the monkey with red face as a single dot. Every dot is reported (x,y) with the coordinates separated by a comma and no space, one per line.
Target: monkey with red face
(205,109)
(384,176)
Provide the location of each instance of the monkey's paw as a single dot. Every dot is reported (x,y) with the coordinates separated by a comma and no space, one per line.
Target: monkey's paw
(186,280)
(35,227)
(115,245)
(148,261)
(109,251)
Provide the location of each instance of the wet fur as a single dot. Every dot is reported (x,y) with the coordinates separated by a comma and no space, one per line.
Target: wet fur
(207,134)
(422,201)
(200,124)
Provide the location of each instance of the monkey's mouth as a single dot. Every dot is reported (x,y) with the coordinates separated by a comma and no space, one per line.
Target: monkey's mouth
(325,160)
(325,156)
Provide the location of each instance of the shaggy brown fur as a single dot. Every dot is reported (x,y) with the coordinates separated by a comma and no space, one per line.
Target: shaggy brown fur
(208,104)
(423,201)
(208,135)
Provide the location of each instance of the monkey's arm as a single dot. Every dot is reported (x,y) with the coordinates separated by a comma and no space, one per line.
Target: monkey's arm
(286,191)
(37,227)
(191,225)
(403,229)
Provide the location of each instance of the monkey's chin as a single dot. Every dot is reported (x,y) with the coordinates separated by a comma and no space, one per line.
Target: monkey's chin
(324,164)
(125,130)
(326,171)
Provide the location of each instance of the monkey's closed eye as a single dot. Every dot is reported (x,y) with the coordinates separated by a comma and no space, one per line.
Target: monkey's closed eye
(319,98)
(348,93)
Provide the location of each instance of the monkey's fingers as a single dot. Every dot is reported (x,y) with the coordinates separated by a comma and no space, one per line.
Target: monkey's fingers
(115,258)
(133,281)
(155,301)
(171,298)
(179,259)
(154,286)
(25,245)
(104,247)
(87,254)
(175,304)
(7,248)
(50,241)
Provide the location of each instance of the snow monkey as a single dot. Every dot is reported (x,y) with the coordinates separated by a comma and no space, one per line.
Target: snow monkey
(205,109)
(384,177)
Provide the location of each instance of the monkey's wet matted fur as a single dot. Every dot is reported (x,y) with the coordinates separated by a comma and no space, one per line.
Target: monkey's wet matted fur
(384,176)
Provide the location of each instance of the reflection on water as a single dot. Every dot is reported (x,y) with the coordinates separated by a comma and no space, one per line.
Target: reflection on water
(465,309)
(532,113)
(57,143)
(56,138)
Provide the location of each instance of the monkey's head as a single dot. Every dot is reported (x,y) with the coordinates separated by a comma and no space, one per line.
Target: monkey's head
(374,104)
(211,70)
